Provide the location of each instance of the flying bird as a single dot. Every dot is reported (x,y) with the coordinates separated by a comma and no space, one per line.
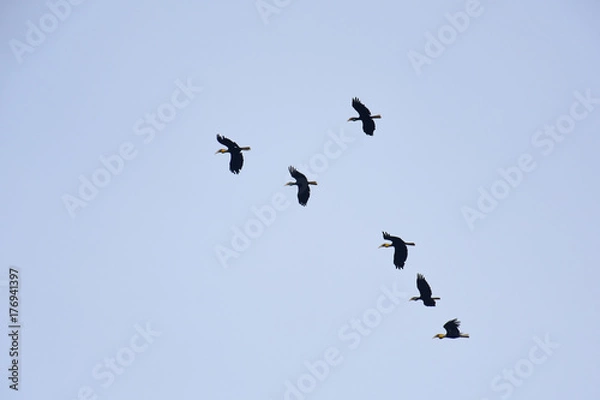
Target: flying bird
(368,125)
(425,291)
(400,249)
(237,159)
(452,331)
(302,183)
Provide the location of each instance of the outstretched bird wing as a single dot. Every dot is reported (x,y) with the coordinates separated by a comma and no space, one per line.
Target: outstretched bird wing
(387,236)
(400,250)
(362,110)
(298,176)
(368,126)
(400,255)
(451,327)
(227,142)
(303,188)
(303,194)
(236,162)
(423,286)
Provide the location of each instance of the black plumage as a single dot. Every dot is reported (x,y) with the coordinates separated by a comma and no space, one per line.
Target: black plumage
(425,292)
(452,331)
(400,249)
(303,185)
(364,115)
(236,161)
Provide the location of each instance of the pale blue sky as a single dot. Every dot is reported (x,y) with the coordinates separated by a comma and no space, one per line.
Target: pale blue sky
(145,249)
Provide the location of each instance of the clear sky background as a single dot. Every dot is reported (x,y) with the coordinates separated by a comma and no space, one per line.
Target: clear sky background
(145,254)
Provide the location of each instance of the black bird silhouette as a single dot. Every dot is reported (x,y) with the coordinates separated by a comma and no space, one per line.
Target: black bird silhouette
(425,292)
(452,331)
(237,159)
(400,249)
(368,125)
(302,183)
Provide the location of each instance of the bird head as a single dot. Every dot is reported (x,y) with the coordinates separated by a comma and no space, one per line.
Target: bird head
(439,336)
(386,245)
(290,184)
(353,119)
(222,151)
(414,298)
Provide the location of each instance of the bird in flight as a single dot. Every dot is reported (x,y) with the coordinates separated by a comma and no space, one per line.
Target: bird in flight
(425,292)
(302,183)
(452,331)
(400,249)
(237,159)
(364,115)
